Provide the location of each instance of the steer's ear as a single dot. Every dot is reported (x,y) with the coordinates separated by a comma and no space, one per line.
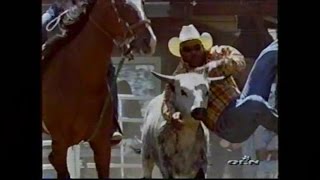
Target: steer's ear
(165,78)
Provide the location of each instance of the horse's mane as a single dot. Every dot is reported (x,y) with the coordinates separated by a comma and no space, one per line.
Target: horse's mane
(71,30)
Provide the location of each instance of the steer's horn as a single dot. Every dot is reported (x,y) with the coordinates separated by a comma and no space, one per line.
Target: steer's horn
(165,78)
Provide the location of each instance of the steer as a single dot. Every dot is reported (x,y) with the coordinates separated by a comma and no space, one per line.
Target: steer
(178,152)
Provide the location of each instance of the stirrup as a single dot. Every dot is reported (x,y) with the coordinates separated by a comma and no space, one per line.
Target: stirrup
(116,136)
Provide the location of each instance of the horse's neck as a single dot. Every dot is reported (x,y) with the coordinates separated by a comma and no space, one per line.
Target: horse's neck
(90,50)
(92,43)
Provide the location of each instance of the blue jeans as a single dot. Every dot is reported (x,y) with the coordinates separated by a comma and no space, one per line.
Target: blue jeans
(241,118)
(263,73)
(112,82)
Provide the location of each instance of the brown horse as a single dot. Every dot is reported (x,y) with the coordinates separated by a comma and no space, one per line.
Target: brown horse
(73,81)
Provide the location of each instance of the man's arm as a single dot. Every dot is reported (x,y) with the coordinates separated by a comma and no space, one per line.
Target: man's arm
(226,59)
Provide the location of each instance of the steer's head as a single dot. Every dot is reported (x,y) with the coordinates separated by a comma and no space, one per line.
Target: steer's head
(191,93)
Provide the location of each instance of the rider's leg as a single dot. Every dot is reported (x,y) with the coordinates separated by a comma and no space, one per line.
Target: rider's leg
(114,92)
(257,90)
(262,74)
(243,116)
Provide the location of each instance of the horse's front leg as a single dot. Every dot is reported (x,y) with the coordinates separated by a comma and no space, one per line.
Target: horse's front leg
(58,159)
(101,146)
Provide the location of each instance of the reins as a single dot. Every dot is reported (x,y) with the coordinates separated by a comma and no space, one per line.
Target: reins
(105,104)
(126,54)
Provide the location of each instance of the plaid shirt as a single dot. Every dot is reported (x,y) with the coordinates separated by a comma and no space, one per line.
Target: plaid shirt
(221,93)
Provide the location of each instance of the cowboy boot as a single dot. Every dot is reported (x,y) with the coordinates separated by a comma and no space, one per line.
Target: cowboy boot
(117,133)
(265,115)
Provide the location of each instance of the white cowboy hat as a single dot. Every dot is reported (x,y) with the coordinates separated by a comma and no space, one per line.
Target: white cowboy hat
(188,33)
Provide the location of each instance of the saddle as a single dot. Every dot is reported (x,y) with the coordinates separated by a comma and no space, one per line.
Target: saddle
(69,25)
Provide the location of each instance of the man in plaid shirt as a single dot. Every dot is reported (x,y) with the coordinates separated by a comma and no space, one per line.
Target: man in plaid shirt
(229,118)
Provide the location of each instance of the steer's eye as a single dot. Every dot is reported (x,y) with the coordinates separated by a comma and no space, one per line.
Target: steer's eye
(183,93)
(207,93)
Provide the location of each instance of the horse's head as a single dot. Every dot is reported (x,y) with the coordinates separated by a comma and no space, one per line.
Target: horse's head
(138,25)
(126,23)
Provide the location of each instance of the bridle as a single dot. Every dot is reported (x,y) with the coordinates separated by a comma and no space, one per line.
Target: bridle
(122,42)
